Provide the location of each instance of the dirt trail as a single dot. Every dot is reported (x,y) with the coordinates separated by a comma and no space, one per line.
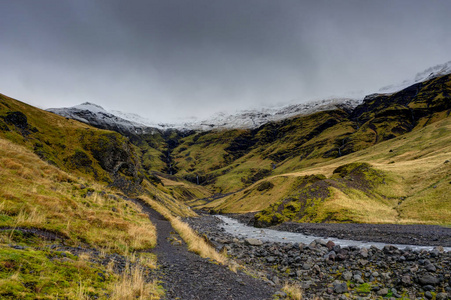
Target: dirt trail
(185,275)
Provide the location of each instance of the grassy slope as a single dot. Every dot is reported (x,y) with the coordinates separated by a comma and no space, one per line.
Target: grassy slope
(36,195)
(89,152)
(69,144)
(417,182)
(37,148)
(227,161)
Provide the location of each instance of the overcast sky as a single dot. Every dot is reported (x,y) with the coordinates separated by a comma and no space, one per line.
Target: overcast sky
(179,58)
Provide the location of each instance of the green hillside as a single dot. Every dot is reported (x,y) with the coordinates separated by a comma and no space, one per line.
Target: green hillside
(402,180)
(344,153)
(229,160)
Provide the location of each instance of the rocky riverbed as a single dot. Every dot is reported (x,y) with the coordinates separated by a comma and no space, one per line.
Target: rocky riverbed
(329,271)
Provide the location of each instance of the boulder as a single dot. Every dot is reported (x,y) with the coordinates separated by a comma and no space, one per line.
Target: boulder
(428,280)
(253,242)
(442,296)
(382,292)
(347,275)
(340,288)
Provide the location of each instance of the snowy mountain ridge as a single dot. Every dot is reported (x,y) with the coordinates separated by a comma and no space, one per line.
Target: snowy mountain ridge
(246,119)
(96,115)
(429,73)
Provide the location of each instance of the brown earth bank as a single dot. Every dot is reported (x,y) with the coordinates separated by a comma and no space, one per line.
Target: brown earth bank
(424,235)
(324,270)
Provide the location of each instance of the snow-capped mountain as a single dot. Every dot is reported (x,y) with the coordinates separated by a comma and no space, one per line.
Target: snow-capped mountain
(132,123)
(255,118)
(430,73)
(97,116)
(129,123)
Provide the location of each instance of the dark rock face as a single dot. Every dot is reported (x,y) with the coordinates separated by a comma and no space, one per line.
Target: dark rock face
(113,155)
(80,160)
(18,119)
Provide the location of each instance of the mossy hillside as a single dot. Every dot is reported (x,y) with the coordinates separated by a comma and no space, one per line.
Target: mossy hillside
(297,137)
(46,274)
(306,203)
(82,150)
(245,172)
(153,149)
(34,194)
(68,144)
(181,189)
(303,141)
(231,160)
(253,198)
(165,196)
(203,152)
(416,171)
(42,207)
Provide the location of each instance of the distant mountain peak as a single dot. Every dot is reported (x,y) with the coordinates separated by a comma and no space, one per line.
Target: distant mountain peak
(90,104)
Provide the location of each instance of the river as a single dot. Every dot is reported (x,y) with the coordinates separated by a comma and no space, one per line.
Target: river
(240,230)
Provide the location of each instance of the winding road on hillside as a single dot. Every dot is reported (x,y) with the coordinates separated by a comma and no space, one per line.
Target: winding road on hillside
(185,275)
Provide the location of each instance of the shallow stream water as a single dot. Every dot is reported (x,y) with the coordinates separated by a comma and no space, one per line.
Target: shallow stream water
(241,230)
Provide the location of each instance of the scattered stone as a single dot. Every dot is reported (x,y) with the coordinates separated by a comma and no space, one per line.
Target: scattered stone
(428,288)
(358,279)
(431,268)
(442,296)
(382,292)
(306,284)
(321,242)
(316,266)
(280,294)
(253,242)
(347,275)
(270,259)
(406,280)
(340,288)
(330,245)
(364,252)
(428,280)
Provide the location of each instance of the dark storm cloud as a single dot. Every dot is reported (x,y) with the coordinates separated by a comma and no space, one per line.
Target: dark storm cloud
(164,59)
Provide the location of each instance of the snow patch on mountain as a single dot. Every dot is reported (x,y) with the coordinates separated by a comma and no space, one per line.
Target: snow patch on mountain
(428,74)
(97,116)
(255,118)
(247,119)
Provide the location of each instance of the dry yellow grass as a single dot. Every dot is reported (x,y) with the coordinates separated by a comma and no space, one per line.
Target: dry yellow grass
(293,291)
(169,182)
(132,285)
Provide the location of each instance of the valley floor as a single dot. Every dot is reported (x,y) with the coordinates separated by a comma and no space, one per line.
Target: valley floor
(327,271)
